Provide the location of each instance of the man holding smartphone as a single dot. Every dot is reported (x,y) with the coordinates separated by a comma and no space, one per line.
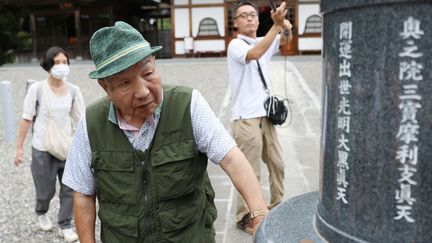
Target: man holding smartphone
(253,132)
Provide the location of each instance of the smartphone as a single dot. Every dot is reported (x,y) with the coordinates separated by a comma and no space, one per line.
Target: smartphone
(272,5)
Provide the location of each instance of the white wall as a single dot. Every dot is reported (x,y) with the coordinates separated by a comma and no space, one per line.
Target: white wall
(201,46)
(181,20)
(310,43)
(216,13)
(304,12)
(209,45)
(307,43)
(206,1)
(181,23)
(179,48)
(180,2)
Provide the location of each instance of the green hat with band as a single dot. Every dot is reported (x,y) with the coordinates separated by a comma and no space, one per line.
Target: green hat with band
(116,48)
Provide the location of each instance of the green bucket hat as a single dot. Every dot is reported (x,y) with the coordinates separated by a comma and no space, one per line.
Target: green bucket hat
(116,48)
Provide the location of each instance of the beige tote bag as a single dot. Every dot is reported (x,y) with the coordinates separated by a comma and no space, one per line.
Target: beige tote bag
(56,141)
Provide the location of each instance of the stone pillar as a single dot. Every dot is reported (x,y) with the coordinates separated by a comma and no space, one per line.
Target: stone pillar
(7,108)
(376,183)
(34,37)
(376,147)
(77,18)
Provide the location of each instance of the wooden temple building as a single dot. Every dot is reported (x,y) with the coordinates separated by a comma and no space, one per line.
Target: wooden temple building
(183,27)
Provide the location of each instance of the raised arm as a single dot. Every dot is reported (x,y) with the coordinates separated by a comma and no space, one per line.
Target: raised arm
(261,47)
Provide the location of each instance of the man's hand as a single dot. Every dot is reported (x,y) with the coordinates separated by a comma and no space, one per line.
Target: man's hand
(256,222)
(287,25)
(287,33)
(278,16)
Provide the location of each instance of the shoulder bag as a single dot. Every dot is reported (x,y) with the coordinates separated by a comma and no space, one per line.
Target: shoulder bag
(276,111)
(56,140)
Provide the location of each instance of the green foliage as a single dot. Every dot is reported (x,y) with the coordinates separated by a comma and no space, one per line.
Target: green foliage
(12,35)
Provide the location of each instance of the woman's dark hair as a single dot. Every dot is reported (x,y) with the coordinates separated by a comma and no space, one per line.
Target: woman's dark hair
(48,58)
(242,3)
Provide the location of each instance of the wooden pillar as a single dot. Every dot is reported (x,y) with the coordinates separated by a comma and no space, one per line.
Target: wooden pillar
(78,32)
(190,19)
(34,36)
(111,18)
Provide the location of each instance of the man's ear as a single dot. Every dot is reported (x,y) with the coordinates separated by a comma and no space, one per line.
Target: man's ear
(235,23)
(103,85)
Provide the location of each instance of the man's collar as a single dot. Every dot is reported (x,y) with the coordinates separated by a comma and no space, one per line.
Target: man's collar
(247,38)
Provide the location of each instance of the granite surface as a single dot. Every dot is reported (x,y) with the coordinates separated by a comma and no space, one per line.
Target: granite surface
(376,147)
(291,221)
(332,5)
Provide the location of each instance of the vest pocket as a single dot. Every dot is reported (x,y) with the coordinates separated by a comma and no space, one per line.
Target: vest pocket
(180,213)
(118,223)
(114,174)
(176,170)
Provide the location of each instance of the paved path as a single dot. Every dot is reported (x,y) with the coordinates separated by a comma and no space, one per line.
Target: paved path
(300,140)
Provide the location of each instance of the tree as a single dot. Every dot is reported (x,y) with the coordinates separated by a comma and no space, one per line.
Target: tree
(12,35)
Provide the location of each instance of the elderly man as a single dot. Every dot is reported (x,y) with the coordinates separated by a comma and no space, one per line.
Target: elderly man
(142,151)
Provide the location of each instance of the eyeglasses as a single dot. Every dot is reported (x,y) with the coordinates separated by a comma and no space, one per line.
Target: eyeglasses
(253,15)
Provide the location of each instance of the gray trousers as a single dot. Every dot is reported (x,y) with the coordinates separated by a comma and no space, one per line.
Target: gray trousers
(45,168)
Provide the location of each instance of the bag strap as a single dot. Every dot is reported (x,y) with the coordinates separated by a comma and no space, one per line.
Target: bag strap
(72,92)
(260,72)
(45,99)
(37,103)
(38,95)
(262,78)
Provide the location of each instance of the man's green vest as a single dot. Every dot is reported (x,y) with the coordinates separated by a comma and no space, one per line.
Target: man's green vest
(160,195)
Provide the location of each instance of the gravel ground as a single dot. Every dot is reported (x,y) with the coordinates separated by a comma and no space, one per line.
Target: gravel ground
(17,217)
(17,195)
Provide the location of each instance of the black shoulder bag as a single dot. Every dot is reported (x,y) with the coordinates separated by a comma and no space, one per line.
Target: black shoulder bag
(275,107)
(276,111)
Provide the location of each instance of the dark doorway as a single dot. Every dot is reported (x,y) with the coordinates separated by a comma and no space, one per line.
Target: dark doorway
(265,20)
(155,26)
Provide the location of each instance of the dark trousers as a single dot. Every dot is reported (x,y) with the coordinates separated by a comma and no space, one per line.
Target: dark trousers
(45,169)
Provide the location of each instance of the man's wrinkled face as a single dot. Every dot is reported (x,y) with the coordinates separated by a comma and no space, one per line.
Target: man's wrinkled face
(246,20)
(137,91)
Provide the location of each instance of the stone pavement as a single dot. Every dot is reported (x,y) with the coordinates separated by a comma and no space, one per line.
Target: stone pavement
(300,140)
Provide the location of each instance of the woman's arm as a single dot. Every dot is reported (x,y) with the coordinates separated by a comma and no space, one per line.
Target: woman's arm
(22,132)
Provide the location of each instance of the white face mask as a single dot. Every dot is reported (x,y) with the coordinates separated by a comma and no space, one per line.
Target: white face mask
(60,71)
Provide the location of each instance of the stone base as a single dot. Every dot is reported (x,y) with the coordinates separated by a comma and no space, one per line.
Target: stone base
(291,221)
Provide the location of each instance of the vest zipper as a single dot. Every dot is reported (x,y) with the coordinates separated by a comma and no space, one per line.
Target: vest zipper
(147,214)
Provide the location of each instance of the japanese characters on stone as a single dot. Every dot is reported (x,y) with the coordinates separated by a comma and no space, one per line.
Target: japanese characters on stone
(344,110)
(410,79)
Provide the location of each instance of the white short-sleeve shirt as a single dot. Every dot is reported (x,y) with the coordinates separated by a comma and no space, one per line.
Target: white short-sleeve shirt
(61,109)
(248,94)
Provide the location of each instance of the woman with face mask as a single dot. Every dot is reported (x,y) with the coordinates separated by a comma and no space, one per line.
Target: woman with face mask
(55,99)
